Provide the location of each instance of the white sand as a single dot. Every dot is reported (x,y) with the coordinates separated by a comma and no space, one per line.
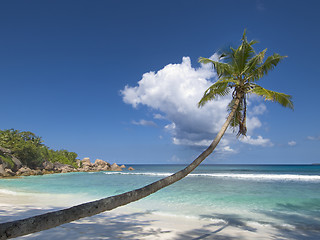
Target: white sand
(128,223)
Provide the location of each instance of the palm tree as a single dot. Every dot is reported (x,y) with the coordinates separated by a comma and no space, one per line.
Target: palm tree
(239,71)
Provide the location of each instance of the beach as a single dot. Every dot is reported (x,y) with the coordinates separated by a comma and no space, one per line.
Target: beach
(185,210)
(125,223)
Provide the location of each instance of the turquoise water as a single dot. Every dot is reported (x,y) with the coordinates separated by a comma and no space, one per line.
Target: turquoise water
(277,195)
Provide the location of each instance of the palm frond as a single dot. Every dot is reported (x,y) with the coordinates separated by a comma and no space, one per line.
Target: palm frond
(244,38)
(237,115)
(281,98)
(230,80)
(223,69)
(252,42)
(238,121)
(270,63)
(242,55)
(254,62)
(220,88)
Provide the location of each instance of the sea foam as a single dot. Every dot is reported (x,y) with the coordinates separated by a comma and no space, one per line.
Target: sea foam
(240,176)
(8,192)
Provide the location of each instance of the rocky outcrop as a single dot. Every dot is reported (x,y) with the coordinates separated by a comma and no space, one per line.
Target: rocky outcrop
(130,168)
(86,161)
(9,172)
(24,171)
(48,166)
(2,171)
(63,168)
(100,165)
(115,167)
(84,165)
(17,163)
(79,164)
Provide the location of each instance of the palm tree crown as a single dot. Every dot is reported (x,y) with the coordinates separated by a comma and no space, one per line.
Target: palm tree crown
(238,72)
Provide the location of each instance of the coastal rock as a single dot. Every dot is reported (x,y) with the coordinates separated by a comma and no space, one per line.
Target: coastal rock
(63,168)
(10,172)
(115,167)
(67,169)
(101,163)
(78,163)
(1,169)
(106,168)
(36,172)
(86,162)
(130,168)
(3,164)
(57,166)
(16,161)
(48,165)
(24,171)
(85,168)
(3,173)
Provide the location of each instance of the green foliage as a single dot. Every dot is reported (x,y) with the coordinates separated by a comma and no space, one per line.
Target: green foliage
(24,145)
(220,88)
(7,160)
(238,70)
(281,98)
(62,156)
(30,149)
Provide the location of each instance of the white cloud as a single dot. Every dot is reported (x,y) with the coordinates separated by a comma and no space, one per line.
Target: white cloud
(227,149)
(174,91)
(191,143)
(259,109)
(292,143)
(158,116)
(253,123)
(259,141)
(312,138)
(143,122)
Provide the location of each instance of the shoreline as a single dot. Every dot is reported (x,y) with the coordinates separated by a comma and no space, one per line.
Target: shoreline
(130,223)
(127,222)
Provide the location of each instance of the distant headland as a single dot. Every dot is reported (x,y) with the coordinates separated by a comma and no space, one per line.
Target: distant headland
(84,165)
(23,153)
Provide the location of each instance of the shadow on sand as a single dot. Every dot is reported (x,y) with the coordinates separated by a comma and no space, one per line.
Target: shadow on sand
(131,226)
(227,220)
(300,225)
(101,226)
(302,221)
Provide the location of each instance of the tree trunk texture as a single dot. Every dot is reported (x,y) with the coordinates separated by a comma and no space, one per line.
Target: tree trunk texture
(53,219)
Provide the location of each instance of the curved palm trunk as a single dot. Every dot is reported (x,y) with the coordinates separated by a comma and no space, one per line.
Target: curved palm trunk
(56,218)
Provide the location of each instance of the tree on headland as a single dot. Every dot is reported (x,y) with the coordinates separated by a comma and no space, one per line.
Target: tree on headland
(238,72)
(30,150)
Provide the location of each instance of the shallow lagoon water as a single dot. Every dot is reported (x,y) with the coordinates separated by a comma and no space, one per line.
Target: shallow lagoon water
(276,195)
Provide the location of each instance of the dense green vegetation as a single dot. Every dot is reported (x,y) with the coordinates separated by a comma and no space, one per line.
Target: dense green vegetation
(31,150)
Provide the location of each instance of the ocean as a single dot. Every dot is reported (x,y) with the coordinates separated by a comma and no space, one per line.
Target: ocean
(284,196)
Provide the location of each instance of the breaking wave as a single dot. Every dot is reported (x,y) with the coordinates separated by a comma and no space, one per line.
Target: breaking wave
(256,177)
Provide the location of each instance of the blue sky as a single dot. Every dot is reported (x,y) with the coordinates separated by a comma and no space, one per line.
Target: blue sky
(119,80)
